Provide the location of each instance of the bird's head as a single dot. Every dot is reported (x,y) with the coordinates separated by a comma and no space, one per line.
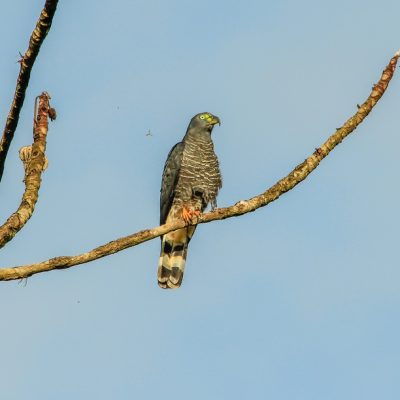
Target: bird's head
(205,121)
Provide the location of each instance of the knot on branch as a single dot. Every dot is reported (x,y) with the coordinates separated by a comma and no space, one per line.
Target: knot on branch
(25,154)
(22,60)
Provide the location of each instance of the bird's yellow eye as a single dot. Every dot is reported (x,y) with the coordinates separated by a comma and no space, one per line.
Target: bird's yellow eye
(202,116)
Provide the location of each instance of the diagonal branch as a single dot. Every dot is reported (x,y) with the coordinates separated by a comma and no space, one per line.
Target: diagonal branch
(242,207)
(35,163)
(28,59)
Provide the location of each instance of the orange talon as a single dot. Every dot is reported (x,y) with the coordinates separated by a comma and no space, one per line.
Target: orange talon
(197,213)
(188,214)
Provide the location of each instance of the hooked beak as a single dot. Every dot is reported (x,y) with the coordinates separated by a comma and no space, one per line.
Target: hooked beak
(213,120)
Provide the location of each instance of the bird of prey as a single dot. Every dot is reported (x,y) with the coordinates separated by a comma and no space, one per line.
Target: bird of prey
(190,182)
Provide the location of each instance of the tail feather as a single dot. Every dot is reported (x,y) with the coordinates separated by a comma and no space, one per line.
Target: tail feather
(171,265)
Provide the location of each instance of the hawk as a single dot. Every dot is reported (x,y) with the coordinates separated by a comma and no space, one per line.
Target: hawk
(190,182)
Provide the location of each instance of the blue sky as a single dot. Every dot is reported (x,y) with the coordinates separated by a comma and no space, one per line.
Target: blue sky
(298,300)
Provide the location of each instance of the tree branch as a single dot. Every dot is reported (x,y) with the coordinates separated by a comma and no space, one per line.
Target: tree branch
(35,163)
(242,207)
(28,59)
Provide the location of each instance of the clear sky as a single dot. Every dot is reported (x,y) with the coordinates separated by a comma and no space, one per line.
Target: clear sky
(297,301)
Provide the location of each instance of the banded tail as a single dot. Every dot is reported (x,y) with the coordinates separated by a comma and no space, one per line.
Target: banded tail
(171,265)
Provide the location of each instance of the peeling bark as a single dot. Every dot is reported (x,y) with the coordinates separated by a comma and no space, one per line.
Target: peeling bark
(35,163)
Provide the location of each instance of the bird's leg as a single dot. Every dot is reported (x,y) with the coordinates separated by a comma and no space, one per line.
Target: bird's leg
(188,214)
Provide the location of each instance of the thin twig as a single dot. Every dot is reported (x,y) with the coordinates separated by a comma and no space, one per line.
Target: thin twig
(242,207)
(26,63)
(35,163)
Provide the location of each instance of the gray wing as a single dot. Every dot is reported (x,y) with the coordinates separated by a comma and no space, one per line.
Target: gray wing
(170,180)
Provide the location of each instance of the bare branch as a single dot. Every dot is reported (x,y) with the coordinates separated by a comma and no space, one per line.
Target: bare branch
(242,207)
(26,62)
(35,163)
